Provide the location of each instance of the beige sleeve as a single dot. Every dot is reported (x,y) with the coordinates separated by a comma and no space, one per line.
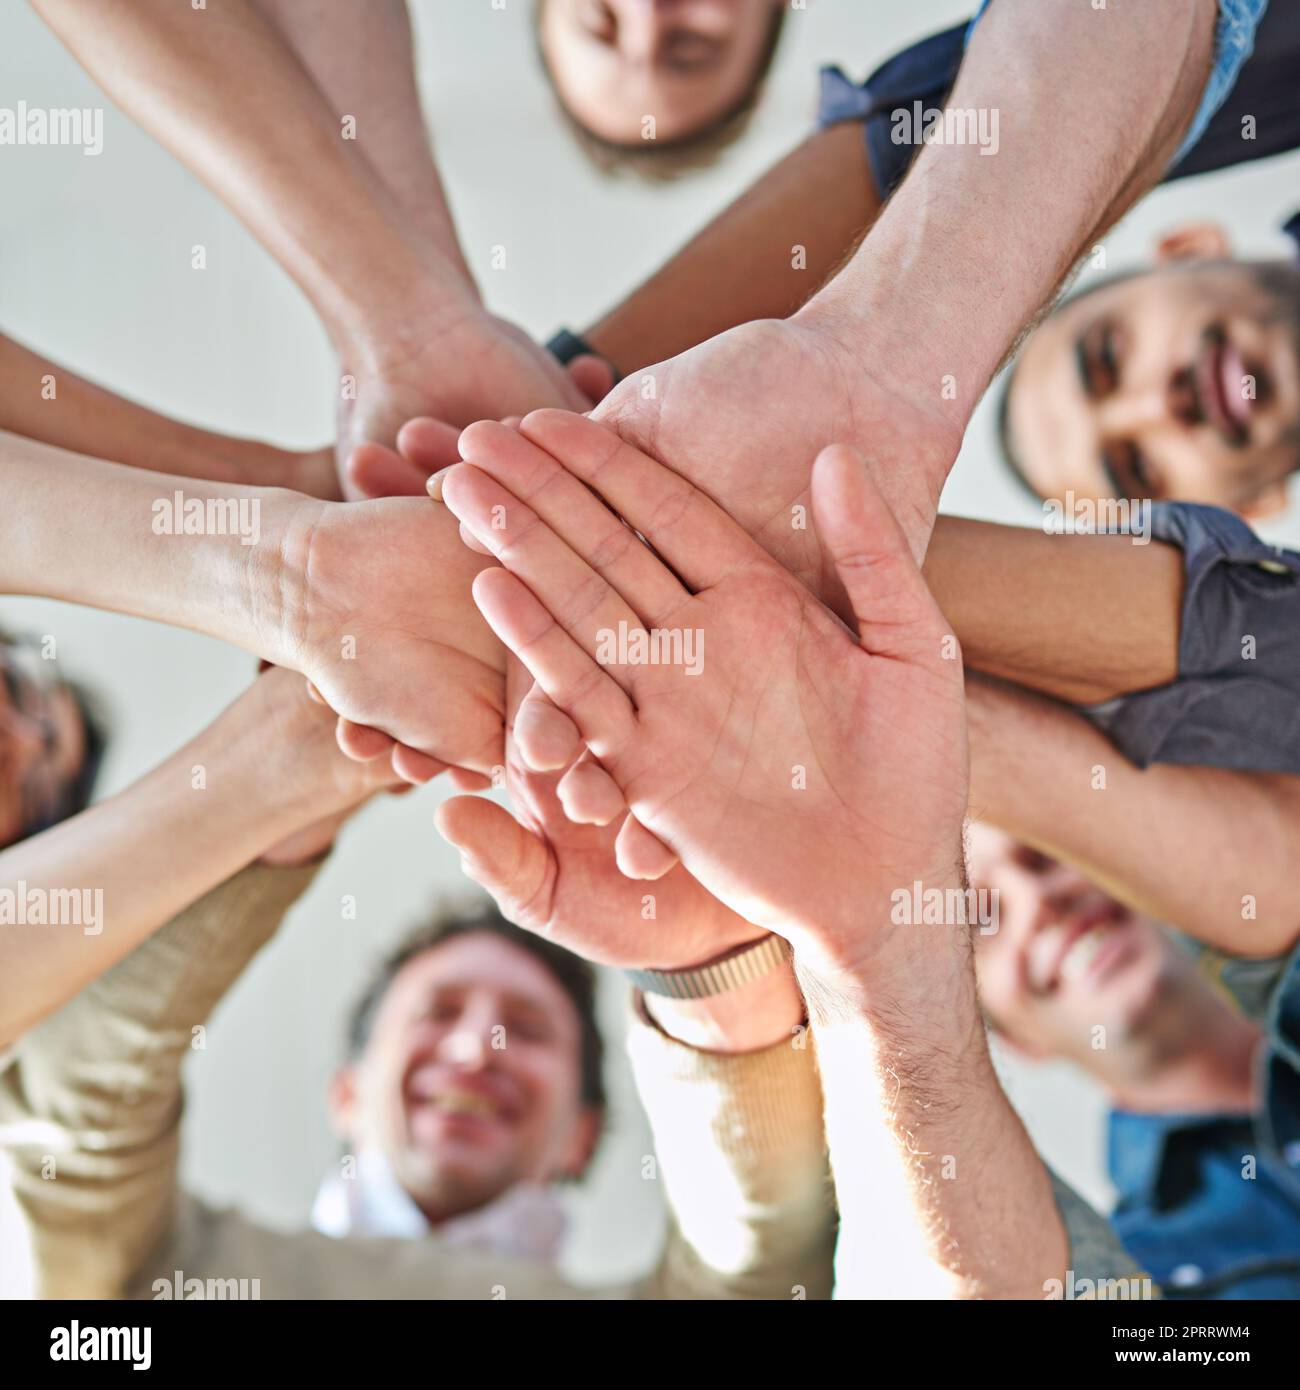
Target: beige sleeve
(742,1156)
(90,1104)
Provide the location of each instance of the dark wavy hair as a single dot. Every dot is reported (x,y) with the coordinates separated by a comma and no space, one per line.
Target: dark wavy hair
(574,976)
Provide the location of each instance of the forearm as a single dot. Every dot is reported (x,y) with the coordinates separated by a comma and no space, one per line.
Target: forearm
(361,58)
(1090,106)
(761,258)
(95,1090)
(49,403)
(1208,850)
(940,1191)
(223,91)
(736,1116)
(84,894)
(87,531)
(1081,617)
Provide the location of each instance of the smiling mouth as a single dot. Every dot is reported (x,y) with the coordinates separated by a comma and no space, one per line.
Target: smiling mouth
(1088,951)
(465,1103)
(1084,945)
(1219,376)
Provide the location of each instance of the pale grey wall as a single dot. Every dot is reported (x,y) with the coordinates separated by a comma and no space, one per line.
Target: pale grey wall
(95,272)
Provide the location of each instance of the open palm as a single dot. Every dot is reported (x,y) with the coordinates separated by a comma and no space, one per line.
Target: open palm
(559,879)
(803,774)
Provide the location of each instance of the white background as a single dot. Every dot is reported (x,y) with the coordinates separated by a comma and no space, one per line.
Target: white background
(95,273)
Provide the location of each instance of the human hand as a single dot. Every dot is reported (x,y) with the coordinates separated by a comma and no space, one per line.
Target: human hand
(554,876)
(743,415)
(329,786)
(802,774)
(371,601)
(456,367)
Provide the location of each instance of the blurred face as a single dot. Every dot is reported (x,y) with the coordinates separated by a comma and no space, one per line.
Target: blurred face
(1143,389)
(684,62)
(470,1081)
(42,742)
(1067,958)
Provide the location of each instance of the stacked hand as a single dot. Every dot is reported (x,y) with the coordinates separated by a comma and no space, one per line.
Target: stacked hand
(743,415)
(460,366)
(371,602)
(804,773)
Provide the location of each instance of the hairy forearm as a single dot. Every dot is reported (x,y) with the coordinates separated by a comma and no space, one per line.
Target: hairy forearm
(1208,850)
(1090,105)
(940,1191)
(1080,617)
(221,89)
(130,863)
(761,258)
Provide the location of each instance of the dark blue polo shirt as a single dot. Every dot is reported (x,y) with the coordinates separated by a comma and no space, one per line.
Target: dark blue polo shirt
(1236,702)
(1266,90)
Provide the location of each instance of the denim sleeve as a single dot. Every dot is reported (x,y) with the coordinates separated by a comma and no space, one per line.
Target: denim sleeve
(1280,1121)
(1236,701)
(1234,38)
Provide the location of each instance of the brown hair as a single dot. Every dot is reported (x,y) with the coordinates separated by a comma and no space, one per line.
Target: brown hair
(574,976)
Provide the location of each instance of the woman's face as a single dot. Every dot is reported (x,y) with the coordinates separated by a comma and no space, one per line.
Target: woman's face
(618,64)
(42,742)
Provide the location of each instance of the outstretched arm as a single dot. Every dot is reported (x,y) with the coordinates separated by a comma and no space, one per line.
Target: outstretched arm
(804,791)
(1080,617)
(761,258)
(223,89)
(369,600)
(1208,850)
(76,414)
(264,770)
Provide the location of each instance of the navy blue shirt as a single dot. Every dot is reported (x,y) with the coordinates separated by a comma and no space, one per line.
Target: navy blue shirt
(1236,702)
(1266,90)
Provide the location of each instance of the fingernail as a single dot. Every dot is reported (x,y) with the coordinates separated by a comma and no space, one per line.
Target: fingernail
(434,485)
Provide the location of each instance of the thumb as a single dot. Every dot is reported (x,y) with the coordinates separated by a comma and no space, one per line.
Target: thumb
(496,851)
(376,471)
(428,445)
(593,376)
(895,612)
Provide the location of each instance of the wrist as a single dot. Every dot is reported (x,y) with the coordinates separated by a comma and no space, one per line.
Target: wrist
(388,332)
(272,580)
(752,1017)
(897,329)
(905,952)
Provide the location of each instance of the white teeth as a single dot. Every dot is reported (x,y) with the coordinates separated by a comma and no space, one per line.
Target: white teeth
(1083,952)
(464,1103)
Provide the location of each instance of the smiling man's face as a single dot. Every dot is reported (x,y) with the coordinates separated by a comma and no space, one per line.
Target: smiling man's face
(1180,383)
(470,1079)
(1067,960)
